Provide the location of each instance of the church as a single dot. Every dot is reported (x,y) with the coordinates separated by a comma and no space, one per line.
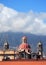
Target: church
(24,51)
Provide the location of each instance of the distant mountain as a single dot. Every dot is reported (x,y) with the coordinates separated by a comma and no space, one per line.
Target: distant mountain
(14,39)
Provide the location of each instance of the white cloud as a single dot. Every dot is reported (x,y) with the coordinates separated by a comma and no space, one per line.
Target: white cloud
(12,20)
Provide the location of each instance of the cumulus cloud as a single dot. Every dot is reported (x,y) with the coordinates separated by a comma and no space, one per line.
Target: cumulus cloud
(30,22)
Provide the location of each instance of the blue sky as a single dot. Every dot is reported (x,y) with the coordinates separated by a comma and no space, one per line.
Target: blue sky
(26,5)
(28,16)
